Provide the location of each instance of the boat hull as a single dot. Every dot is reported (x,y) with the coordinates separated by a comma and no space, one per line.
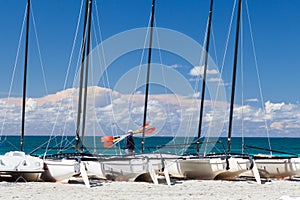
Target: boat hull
(120,168)
(208,168)
(60,169)
(277,167)
(15,166)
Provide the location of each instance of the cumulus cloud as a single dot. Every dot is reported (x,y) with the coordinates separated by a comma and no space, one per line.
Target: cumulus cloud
(273,107)
(170,114)
(199,70)
(31,105)
(277,125)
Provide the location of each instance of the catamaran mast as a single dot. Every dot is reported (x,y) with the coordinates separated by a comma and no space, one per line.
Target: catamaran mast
(81,76)
(204,75)
(25,77)
(234,74)
(86,74)
(148,74)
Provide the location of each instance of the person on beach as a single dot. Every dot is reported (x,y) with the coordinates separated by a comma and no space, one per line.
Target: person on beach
(129,143)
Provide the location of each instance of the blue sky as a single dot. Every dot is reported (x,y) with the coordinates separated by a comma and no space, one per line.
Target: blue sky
(274,27)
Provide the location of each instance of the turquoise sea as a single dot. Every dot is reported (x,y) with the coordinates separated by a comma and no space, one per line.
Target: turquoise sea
(38,145)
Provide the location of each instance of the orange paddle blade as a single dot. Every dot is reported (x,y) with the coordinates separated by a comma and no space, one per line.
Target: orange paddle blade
(141,128)
(150,130)
(108,141)
(107,138)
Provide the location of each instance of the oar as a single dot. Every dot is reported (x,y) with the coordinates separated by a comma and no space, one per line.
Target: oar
(109,141)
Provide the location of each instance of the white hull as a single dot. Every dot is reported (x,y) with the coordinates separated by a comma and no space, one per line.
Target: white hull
(277,167)
(95,169)
(16,165)
(128,168)
(158,161)
(208,168)
(60,169)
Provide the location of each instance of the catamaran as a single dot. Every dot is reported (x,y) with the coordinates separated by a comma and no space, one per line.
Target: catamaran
(143,166)
(224,166)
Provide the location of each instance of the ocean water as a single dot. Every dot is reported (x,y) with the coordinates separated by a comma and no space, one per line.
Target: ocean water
(39,145)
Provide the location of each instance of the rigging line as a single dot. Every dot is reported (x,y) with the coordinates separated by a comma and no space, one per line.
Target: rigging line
(192,116)
(220,82)
(228,35)
(140,65)
(14,69)
(200,61)
(202,57)
(109,98)
(164,78)
(73,45)
(242,80)
(257,72)
(102,48)
(213,103)
(63,133)
(39,52)
(94,139)
(204,74)
(214,45)
(98,54)
(67,75)
(92,89)
(114,131)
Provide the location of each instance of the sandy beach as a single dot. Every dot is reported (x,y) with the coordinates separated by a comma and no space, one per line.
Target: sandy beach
(191,189)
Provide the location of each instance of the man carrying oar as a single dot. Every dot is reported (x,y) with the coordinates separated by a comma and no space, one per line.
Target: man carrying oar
(109,141)
(129,143)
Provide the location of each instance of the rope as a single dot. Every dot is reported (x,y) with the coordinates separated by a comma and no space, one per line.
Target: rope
(164,81)
(39,52)
(109,98)
(222,66)
(105,64)
(242,80)
(259,82)
(14,70)
(141,60)
(66,77)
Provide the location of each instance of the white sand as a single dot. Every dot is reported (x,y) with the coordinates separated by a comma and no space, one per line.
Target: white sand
(142,191)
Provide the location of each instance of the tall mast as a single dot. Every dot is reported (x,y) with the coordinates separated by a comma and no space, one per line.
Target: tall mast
(81,76)
(25,76)
(148,74)
(204,75)
(86,74)
(234,74)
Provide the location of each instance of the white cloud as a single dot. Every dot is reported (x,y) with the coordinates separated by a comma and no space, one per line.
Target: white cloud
(252,100)
(31,105)
(272,107)
(196,95)
(215,80)
(174,66)
(277,125)
(165,111)
(199,70)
